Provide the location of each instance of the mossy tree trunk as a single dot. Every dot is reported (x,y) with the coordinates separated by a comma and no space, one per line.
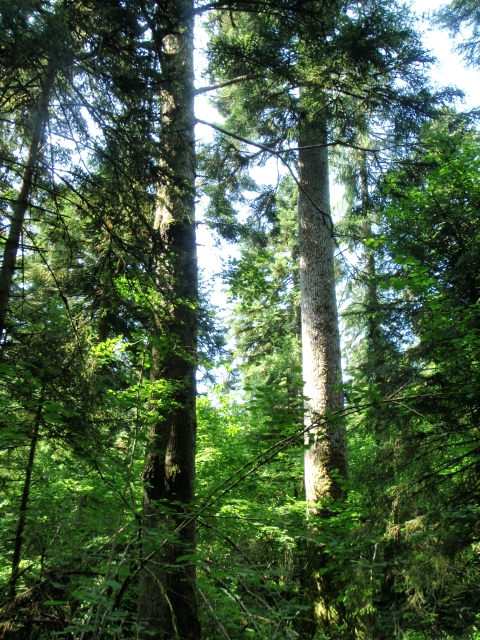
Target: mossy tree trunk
(167,600)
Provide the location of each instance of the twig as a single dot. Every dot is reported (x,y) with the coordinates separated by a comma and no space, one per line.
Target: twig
(280,152)
(226,83)
(220,625)
(164,593)
(128,580)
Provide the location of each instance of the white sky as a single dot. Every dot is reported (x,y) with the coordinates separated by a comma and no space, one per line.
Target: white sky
(449,70)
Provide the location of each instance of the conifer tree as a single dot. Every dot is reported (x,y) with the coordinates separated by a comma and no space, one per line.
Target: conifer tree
(349,51)
(37,125)
(40,43)
(168,599)
(326,459)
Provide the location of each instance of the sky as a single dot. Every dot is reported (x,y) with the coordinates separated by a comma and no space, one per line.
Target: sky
(448,70)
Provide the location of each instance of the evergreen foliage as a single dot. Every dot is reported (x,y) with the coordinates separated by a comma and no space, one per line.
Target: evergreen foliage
(89,318)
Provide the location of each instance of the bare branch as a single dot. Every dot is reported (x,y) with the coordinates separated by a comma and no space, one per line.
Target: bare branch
(280,152)
(220,625)
(226,83)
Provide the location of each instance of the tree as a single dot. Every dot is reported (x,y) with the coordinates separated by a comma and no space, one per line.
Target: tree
(98,361)
(326,459)
(43,47)
(38,123)
(167,599)
(454,17)
(302,86)
(420,441)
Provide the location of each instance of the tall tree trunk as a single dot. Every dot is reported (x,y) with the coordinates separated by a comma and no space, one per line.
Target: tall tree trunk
(168,600)
(326,460)
(38,123)
(22,518)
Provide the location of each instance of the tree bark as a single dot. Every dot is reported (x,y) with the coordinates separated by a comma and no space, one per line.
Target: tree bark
(39,121)
(167,603)
(326,460)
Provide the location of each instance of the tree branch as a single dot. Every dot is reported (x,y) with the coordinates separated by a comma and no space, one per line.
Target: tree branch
(280,152)
(226,83)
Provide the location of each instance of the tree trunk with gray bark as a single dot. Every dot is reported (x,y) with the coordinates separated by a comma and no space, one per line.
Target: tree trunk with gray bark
(326,460)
